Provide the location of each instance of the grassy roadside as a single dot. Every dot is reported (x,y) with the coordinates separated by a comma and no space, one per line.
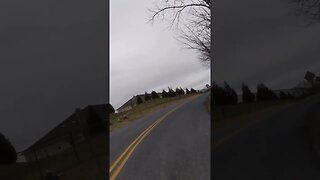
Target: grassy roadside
(121,119)
(92,163)
(316,131)
(313,130)
(224,115)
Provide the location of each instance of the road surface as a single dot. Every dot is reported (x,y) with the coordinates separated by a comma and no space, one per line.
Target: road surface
(172,143)
(270,145)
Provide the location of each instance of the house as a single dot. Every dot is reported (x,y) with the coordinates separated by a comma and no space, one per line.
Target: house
(80,125)
(133,102)
(205,89)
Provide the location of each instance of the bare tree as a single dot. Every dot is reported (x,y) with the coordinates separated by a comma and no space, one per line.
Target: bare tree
(192,19)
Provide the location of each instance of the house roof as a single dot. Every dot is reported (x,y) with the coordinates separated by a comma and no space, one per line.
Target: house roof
(126,103)
(71,124)
(130,100)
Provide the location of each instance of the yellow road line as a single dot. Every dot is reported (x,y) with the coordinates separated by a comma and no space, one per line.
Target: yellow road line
(137,141)
(117,171)
(127,149)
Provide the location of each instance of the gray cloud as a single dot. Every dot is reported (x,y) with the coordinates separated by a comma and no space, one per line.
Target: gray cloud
(52,60)
(263,41)
(147,57)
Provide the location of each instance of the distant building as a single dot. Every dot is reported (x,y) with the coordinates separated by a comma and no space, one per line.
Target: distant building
(130,103)
(76,128)
(205,89)
(133,102)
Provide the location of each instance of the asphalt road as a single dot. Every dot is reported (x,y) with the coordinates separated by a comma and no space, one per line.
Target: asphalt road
(176,147)
(271,145)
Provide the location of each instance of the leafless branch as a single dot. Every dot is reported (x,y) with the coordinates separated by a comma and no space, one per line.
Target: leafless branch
(192,19)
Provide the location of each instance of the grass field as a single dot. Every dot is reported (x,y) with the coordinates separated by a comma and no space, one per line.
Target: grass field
(117,120)
(220,113)
(89,159)
(313,130)
(91,163)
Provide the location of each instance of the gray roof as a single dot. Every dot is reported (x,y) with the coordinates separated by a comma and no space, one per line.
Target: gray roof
(71,125)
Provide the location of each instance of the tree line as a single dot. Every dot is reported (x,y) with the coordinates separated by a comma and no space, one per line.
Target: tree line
(225,95)
(166,94)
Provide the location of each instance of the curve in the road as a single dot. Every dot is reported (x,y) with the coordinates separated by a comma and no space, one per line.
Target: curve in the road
(123,158)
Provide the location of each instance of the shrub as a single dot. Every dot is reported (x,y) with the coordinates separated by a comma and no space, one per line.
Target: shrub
(223,95)
(247,95)
(164,94)
(231,95)
(8,154)
(171,93)
(147,96)
(187,91)
(193,91)
(178,92)
(110,108)
(182,91)
(264,93)
(218,94)
(154,95)
(139,100)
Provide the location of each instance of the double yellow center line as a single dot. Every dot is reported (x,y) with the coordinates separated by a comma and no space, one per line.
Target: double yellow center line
(117,166)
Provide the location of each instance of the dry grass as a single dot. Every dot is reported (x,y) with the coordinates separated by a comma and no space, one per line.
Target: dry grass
(92,153)
(229,111)
(313,130)
(227,115)
(117,120)
(317,137)
(17,171)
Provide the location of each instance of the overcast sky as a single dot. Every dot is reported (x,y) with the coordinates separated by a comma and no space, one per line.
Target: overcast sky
(147,57)
(263,41)
(52,60)
(53,56)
